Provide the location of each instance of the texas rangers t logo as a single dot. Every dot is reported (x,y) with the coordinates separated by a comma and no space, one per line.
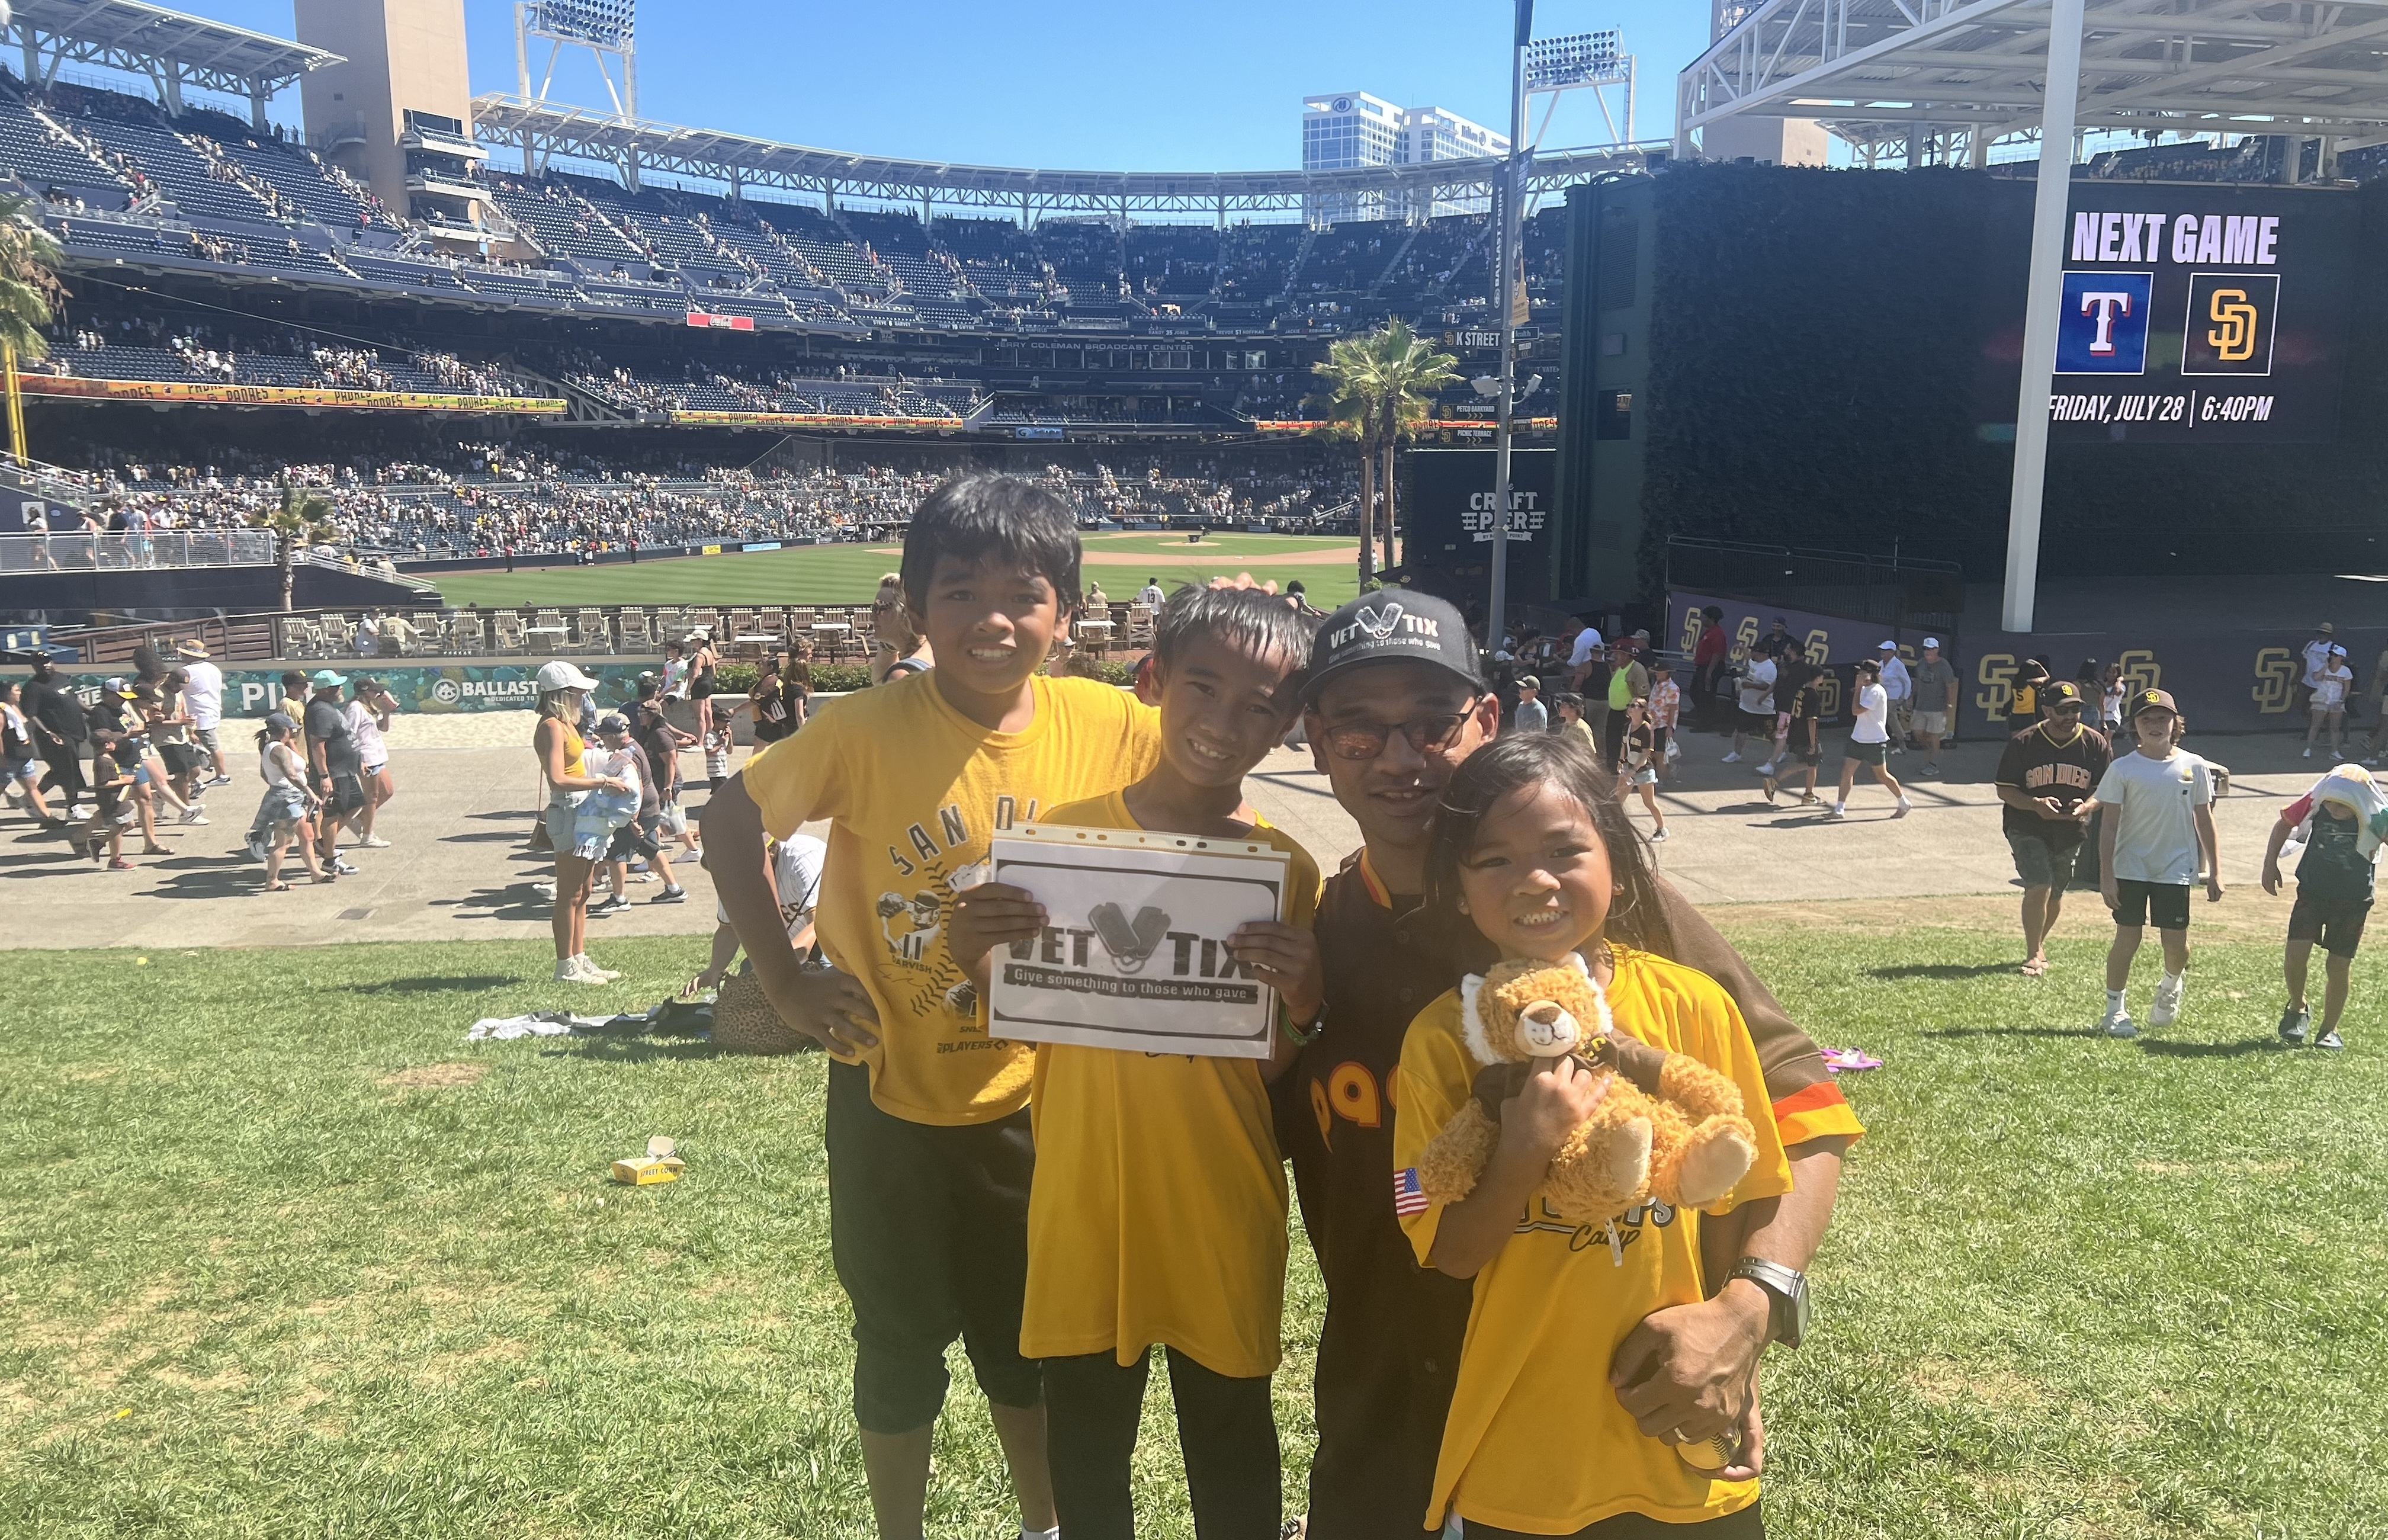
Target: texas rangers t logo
(2101,323)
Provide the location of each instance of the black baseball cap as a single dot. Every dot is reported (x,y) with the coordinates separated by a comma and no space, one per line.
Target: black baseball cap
(2063,690)
(2153,700)
(1392,624)
(612,723)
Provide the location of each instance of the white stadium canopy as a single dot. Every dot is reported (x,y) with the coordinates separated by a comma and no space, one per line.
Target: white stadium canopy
(171,47)
(542,128)
(1885,74)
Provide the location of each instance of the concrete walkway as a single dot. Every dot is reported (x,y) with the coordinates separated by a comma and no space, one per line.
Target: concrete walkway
(468,789)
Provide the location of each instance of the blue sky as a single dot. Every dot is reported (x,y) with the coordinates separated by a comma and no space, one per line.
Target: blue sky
(1213,84)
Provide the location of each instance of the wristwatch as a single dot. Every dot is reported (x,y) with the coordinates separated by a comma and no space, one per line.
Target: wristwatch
(1786,1296)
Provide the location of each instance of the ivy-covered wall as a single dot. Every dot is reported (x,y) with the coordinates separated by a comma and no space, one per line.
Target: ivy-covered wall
(1817,379)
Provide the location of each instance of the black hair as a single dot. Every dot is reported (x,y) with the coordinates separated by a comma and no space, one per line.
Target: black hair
(1637,917)
(295,677)
(1249,619)
(982,518)
(2091,673)
(1868,666)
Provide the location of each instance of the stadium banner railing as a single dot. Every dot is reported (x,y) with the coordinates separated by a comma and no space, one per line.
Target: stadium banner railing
(161,548)
(527,633)
(199,393)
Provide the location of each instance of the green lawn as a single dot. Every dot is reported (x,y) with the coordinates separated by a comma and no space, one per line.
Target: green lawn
(849,574)
(281,1254)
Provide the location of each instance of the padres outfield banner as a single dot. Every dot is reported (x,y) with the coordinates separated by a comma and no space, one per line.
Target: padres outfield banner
(199,392)
(1135,955)
(2193,313)
(439,689)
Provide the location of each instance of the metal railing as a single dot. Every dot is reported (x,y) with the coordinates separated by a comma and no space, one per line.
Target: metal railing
(131,552)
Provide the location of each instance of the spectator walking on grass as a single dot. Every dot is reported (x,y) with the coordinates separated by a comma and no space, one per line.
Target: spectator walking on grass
(2341,821)
(2046,779)
(1869,742)
(2155,830)
(562,753)
(1936,702)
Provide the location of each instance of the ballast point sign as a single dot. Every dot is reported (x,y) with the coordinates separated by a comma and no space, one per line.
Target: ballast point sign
(2201,314)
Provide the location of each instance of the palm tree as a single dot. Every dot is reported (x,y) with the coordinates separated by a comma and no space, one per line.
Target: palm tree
(29,281)
(293,524)
(1379,389)
(1408,372)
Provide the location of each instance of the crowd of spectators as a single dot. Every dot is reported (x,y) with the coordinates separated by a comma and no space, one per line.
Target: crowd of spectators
(490,499)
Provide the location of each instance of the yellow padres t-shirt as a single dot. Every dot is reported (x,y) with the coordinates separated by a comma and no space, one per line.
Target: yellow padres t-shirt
(1158,1210)
(915,790)
(1553,1306)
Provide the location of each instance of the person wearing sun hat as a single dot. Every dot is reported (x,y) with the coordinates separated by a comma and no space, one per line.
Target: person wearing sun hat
(203,685)
(562,690)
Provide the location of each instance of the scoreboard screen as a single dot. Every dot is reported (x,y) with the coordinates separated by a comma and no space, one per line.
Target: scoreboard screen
(2195,313)
(1449,522)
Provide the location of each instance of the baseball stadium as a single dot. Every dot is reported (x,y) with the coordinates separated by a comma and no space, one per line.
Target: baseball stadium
(592,537)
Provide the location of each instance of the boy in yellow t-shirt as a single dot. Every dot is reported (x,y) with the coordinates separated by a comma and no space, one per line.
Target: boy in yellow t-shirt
(930,1152)
(1159,1209)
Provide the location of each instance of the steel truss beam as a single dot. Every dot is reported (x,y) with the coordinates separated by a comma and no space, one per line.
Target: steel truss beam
(172,49)
(544,129)
(1867,68)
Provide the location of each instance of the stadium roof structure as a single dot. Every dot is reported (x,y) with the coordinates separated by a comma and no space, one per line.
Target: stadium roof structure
(173,48)
(1882,74)
(542,128)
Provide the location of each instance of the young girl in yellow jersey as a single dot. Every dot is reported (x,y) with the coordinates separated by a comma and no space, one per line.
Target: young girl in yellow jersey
(1158,1211)
(1533,857)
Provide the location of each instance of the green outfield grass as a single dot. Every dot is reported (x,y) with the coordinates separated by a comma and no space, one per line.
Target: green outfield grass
(849,574)
(281,1254)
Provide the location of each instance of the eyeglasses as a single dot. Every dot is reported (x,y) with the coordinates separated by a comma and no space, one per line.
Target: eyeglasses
(1436,735)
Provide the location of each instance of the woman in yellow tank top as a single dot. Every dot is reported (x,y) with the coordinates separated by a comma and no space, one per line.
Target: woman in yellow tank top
(563,759)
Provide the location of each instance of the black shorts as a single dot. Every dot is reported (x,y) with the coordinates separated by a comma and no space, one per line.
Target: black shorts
(2165,904)
(1758,724)
(1871,755)
(2335,923)
(928,1227)
(347,794)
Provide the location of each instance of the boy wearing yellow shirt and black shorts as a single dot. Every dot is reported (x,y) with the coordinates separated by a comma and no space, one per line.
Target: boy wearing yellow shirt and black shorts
(930,1155)
(1158,1214)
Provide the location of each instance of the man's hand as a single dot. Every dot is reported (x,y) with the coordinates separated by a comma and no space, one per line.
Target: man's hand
(2108,889)
(2272,878)
(2051,808)
(709,979)
(1689,1368)
(1285,959)
(985,917)
(1752,1459)
(829,1007)
(1556,1097)
(2213,886)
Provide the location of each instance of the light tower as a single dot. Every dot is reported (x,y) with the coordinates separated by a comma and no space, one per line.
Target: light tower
(1582,61)
(606,28)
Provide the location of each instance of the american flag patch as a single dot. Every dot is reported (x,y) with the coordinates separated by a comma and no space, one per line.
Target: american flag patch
(1408,1197)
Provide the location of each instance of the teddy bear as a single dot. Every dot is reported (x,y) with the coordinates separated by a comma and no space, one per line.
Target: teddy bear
(1667,1127)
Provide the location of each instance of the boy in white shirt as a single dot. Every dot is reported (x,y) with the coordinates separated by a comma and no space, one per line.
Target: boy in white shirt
(1757,719)
(1868,741)
(2157,830)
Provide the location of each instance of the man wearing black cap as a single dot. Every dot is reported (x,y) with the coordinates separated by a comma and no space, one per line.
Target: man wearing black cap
(2046,778)
(1395,703)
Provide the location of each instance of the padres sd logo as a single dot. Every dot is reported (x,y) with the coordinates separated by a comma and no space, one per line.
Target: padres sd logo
(2231,317)
(2276,679)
